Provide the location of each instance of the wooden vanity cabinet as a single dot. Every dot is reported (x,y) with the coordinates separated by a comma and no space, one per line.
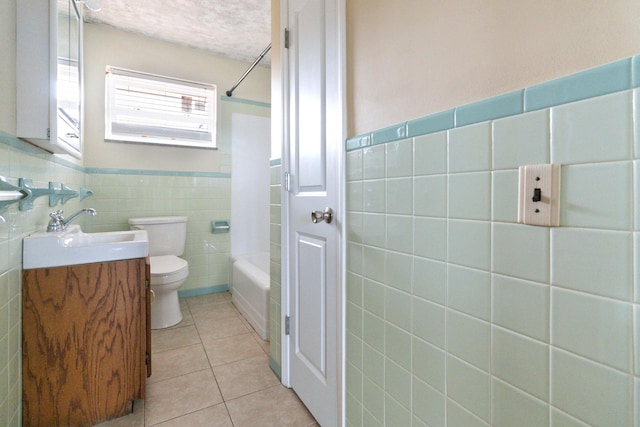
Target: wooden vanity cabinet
(85,342)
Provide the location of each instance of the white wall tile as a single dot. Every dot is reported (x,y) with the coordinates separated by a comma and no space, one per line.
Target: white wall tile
(470,387)
(373,297)
(430,195)
(470,195)
(593,261)
(469,339)
(374,196)
(470,148)
(398,271)
(599,395)
(354,165)
(593,130)
(396,312)
(521,251)
(469,243)
(430,154)
(521,140)
(373,263)
(395,413)
(469,291)
(373,161)
(428,363)
(428,404)
(373,403)
(596,195)
(636,122)
(430,279)
(560,419)
(511,408)
(397,383)
(354,196)
(594,327)
(504,196)
(354,228)
(457,416)
(373,332)
(636,194)
(521,306)
(399,196)
(636,267)
(399,233)
(521,362)
(636,403)
(636,338)
(399,158)
(374,229)
(428,321)
(431,238)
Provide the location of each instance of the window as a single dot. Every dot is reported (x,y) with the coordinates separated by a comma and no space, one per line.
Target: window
(146,108)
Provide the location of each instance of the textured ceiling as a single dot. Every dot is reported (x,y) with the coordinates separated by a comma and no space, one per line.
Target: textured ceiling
(238,29)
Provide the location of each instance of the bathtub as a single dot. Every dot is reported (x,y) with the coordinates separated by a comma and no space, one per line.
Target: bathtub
(250,289)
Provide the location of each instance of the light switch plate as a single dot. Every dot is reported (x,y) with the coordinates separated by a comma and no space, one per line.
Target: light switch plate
(539,195)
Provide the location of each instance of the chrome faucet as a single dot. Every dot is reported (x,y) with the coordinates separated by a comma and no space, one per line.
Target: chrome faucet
(58,223)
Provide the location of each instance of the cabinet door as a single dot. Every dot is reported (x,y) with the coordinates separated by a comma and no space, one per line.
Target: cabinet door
(83,358)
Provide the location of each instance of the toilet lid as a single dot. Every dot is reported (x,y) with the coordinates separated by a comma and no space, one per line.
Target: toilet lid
(167,264)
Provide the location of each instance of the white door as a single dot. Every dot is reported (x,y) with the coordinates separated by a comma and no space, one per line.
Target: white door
(315,135)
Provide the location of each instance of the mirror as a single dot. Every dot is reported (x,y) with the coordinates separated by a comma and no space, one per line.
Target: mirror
(68,70)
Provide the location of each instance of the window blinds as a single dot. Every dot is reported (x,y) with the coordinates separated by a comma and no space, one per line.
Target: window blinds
(160,110)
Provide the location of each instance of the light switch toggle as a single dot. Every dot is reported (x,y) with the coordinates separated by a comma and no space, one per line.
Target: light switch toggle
(539,195)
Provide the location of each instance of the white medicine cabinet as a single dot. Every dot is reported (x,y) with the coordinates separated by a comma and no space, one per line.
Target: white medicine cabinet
(49,74)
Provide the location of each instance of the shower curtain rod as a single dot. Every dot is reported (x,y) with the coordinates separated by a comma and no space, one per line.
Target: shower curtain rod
(246,73)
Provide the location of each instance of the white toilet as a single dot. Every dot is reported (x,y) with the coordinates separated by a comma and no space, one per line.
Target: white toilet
(167,235)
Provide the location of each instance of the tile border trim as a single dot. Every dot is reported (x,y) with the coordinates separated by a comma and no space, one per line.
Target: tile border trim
(605,79)
(18,144)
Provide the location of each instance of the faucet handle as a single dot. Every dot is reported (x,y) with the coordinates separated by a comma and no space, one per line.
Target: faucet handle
(56,215)
(55,223)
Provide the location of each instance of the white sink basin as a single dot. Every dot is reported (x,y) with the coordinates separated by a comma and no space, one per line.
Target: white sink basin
(72,246)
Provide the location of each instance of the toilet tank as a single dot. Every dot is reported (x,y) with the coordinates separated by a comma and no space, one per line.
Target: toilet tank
(167,234)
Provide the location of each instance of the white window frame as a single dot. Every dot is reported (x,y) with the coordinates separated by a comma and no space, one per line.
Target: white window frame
(134,124)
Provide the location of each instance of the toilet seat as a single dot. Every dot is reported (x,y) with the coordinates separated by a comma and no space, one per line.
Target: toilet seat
(167,269)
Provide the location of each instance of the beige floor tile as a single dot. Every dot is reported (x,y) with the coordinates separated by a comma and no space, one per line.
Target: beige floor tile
(214,416)
(207,300)
(274,407)
(176,362)
(214,329)
(214,312)
(135,419)
(179,396)
(245,376)
(264,344)
(167,339)
(231,349)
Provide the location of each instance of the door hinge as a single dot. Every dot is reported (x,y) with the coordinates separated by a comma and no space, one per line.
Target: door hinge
(286,38)
(287,325)
(287,181)
(147,358)
(48,132)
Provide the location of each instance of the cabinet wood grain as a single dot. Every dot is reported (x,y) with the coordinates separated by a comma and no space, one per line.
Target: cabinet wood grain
(84,342)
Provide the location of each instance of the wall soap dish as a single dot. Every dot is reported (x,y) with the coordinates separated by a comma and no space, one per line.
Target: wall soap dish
(218,227)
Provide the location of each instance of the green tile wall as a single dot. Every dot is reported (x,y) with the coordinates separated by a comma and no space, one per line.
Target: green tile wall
(276,269)
(459,316)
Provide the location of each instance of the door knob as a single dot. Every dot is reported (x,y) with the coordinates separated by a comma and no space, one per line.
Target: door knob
(319,216)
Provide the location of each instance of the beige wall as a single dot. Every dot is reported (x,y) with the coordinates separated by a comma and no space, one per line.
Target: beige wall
(411,58)
(8,66)
(106,46)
